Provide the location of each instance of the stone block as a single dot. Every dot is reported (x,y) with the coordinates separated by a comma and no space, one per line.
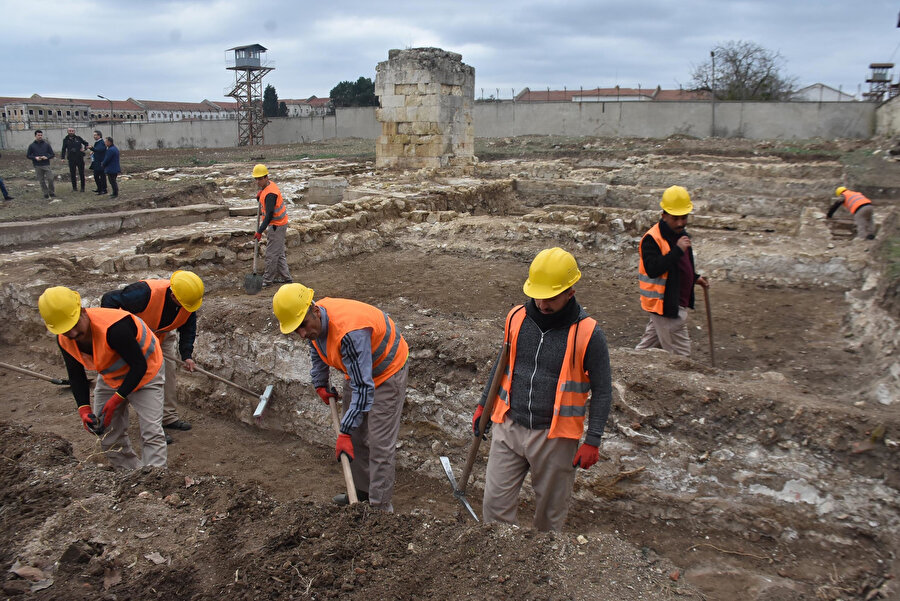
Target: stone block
(328,190)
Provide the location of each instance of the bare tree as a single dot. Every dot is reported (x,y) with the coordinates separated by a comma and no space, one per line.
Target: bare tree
(743,71)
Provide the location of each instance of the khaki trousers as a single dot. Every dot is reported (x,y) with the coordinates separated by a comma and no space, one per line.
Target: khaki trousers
(863,220)
(516,450)
(375,440)
(170,404)
(667,333)
(276,263)
(147,402)
(45,178)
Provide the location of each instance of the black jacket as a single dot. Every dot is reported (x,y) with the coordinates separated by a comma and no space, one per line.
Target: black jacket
(73,146)
(656,264)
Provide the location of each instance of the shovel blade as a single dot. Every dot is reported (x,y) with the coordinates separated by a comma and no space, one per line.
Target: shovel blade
(252,283)
(445,463)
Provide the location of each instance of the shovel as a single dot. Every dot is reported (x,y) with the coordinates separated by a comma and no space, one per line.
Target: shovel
(345,462)
(712,350)
(253,281)
(460,492)
(34,374)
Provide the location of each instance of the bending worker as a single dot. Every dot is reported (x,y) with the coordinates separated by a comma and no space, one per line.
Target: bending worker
(166,305)
(364,344)
(275,220)
(558,358)
(666,275)
(861,209)
(126,354)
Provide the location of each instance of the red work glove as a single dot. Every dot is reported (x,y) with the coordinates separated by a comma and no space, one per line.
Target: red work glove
(326,395)
(257,235)
(89,420)
(110,407)
(344,445)
(586,456)
(475,419)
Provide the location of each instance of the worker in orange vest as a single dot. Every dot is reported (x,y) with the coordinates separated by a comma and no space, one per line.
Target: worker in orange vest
(126,354)
(666,275)
(558,368)
(274,222)
(364,344)
(861,209)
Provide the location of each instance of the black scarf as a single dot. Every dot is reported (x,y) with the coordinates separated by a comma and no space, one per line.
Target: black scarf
(561,319)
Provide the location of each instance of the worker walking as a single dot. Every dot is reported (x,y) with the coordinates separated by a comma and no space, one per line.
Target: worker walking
(364,344)
(558,367)
(127,356)
(274,222)
(666,275)
(861,209)
(166,306)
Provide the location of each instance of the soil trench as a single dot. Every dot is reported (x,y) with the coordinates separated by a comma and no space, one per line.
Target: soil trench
(769,476)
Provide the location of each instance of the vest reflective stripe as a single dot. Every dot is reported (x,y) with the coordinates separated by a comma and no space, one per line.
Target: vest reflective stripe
(106,361)
(573,385)
(653,290)
(152,314)
(279,213)
(389,349)
(854,200)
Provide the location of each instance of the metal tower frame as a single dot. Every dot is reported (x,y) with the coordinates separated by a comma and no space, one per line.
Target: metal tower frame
(248,92)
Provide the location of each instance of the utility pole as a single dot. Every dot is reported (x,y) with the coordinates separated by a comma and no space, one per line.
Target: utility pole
(712,55)
(110,115)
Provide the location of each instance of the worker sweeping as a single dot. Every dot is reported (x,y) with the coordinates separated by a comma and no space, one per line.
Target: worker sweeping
(363,343)
(166,306)
(666,275)
(558,368)
(861,209)
(274,222)
(127,356)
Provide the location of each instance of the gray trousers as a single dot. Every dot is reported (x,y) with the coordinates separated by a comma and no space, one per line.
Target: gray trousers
(276,263)
(45,178)
(516,450)
(863,220)
(667,333)
(375,440)
(147,402)
(170,405)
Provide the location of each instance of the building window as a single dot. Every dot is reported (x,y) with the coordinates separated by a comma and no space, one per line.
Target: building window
(68,113)
(59,113)
(40,112)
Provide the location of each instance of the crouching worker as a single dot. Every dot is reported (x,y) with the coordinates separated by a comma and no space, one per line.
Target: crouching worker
(127,356)
(363,343)
(558,357)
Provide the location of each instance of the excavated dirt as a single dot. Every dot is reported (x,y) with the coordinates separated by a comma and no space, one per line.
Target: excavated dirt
(771,476)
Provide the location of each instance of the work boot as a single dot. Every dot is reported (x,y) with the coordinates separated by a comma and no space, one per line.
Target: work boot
(342,498)
(178,424)
(169,439)
(8,197)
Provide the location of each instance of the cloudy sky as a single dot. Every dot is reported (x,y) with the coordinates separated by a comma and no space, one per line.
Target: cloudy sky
(176,50)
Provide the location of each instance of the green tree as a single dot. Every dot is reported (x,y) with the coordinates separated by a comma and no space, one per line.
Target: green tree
(743,71)
(359,93)
(282,109)
(270,101)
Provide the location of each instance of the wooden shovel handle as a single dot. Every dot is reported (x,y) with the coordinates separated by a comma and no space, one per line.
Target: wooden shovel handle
(345,463)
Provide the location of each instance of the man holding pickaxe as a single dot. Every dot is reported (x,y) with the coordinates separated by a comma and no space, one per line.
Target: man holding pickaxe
(558,368)
(166,306)
(363,343)
(127,356)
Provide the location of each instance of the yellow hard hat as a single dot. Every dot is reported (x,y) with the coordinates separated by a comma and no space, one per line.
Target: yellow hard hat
(188,289)
(290,305)
(552,272)
(60,307)
(840,191)
(676,201)
(260,170)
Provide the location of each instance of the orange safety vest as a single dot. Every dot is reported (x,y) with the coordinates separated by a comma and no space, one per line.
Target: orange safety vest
(279,214)
(572,387)
(152,313)
(854,200)
(653,290)
(107,362)
(389,349)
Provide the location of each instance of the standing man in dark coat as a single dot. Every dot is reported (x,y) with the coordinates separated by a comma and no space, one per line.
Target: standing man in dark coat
(111,166)
(6,195)
(98,151)
(40,152)
(73,148)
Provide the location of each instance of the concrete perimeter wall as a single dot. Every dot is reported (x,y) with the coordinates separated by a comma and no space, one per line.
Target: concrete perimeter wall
(755,120)
(888,118)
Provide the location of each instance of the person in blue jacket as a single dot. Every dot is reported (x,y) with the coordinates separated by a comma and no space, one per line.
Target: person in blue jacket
(111,166)
(98,151)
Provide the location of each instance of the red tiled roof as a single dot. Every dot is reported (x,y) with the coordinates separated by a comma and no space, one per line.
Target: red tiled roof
(165,105)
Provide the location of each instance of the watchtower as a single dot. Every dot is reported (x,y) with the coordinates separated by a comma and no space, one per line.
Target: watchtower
(879,81)
(250,66)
